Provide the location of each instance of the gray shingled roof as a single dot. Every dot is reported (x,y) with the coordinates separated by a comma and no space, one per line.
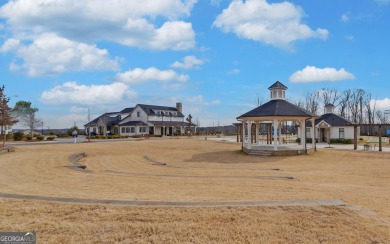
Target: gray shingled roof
(149,109)
(278,108)
(277,84)
(332,120)
(126,110)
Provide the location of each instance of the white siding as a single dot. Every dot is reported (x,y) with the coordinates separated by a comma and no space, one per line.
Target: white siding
(334,132)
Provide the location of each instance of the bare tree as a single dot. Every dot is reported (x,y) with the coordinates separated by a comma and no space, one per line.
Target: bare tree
(343,105)
(355,105)
(381,116)
(311,103)
(330,96)
(369,108)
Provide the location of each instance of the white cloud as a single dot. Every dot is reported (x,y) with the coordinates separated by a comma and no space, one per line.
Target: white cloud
(345,17)
(383,104)
(51,54)
(276,24)
(147,24)
(382,2)
(139,75)
(350,37)
(234,72)
(11,44)
(314,74)
(215,2)
(198,100)
(73,93)
(189,62)
(78,110)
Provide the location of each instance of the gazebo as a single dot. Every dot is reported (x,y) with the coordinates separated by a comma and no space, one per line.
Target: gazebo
(274,113)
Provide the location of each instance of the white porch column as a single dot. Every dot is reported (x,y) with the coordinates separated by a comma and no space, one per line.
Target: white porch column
(257,133)
(313,141)
(303,134)
(249,141)
(275,125)
(280,132)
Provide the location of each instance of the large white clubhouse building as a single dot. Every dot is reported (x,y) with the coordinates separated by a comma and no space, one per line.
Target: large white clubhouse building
(141,120)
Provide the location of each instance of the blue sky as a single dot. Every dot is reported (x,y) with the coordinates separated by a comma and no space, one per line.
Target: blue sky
(217,57)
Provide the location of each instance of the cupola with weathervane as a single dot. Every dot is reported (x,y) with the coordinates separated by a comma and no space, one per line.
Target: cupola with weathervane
(278,91)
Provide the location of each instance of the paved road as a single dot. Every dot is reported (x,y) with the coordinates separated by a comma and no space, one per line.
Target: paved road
(79,139)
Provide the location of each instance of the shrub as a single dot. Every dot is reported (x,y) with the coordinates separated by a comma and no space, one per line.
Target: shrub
(360,139)
(50,138)
(18,136)
(341,141)
(36,135)
(29,137)
(63,135)
(40,137)
(51,133)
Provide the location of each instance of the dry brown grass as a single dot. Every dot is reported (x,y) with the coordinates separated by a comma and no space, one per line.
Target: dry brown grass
(69,223)
(196,170)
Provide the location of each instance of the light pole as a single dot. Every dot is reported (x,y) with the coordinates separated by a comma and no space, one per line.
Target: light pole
(42,128)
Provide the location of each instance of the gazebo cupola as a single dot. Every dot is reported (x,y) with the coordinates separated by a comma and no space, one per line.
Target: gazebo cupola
(278,91)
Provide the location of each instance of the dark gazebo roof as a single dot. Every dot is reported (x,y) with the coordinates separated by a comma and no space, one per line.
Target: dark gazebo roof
(278,108)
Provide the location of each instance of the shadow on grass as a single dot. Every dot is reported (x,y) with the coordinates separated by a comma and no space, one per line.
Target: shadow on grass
(230,157)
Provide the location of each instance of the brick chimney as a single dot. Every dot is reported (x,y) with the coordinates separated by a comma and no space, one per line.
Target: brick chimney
(179,107)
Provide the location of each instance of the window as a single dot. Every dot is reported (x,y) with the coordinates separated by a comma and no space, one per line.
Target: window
(308,135)
(142,129)
(341,133)
(127,129)
(132,129)
(138,113)
(123,130)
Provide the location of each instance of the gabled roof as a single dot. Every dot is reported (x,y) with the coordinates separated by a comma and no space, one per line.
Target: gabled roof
(149,109)
(95,121)
(277,84)
(278,108)
(111,120)
(333,120)
(126,110)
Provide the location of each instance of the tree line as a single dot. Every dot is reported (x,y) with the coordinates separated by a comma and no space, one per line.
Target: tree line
(355,105)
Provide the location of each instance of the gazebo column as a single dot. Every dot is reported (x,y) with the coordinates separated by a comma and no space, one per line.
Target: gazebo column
(269,133)
(257,132)
(313,140)
(238,133)
(280,131)
(275,125)
(303,133)
(249,140)
(243,133)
